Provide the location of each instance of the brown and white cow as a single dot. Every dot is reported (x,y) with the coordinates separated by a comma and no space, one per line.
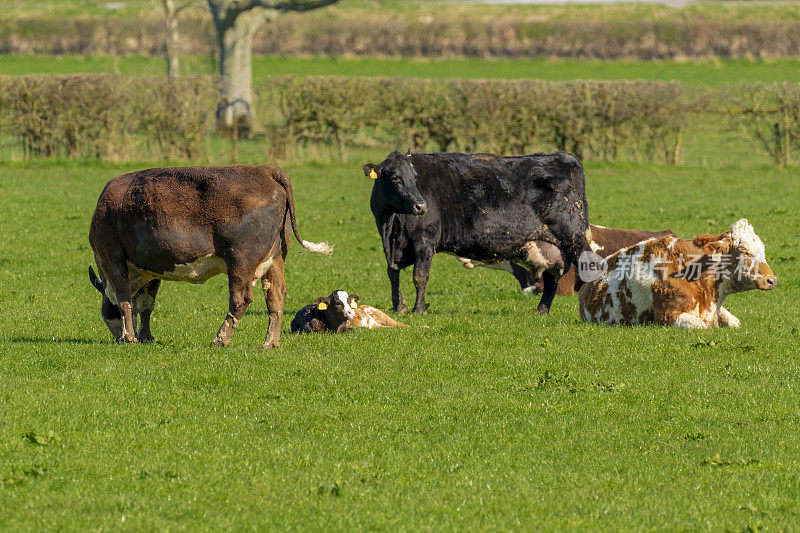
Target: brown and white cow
(605,241)
(189,224)
(678,282)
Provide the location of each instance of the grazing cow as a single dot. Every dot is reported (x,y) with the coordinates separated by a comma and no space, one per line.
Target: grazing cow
(530,210)
(678,282)
(329,313)
(189,224)
(372,318)
(605,241)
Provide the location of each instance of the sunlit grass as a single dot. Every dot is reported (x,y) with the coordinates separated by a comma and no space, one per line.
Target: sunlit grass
(488,417)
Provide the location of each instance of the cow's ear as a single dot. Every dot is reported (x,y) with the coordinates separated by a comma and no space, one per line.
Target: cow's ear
(711,244)
(371,171)
(408,154)
(723,246)
(321,303)
(354,301)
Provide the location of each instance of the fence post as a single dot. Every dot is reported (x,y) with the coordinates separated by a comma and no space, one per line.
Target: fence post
(235,139)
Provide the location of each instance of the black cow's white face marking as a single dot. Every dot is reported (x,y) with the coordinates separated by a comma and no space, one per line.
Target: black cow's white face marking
(341,302)
(396,179)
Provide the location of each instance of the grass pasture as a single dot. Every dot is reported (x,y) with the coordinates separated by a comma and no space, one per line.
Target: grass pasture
(488,417)
(700,73)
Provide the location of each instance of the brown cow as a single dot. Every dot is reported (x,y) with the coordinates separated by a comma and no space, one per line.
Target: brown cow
(605,241)
(678,282)
(189,224)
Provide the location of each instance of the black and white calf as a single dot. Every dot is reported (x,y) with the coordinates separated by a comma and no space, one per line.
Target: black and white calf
(329,313)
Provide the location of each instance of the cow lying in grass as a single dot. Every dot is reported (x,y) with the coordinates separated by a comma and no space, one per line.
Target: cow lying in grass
(327,313)
(678,282)
(339,313)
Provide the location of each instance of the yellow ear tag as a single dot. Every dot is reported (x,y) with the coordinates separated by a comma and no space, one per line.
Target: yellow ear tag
(322,306)
(354,305)
(373,174)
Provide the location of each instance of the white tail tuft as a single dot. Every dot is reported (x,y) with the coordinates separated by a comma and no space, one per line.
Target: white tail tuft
(318,247)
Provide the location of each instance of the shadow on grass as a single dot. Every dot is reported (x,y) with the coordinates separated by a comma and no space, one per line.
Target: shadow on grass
(51,340)
(264,313)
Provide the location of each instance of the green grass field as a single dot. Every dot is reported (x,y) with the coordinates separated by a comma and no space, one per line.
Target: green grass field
(488,417)
(712,72)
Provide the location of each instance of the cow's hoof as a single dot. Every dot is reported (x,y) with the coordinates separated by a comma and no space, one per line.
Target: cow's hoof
(401,310)
(270,342)
(541,311)
(730,322)
(219,341)
(146,337)
(421,310)
(127,339)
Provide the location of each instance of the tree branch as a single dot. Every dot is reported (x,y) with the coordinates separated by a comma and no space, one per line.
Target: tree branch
(289,5)
(184,6)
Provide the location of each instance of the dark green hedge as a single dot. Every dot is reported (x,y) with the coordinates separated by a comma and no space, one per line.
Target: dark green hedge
(117,118)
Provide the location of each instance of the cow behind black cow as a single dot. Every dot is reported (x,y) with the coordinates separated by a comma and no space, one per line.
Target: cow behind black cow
(530,210)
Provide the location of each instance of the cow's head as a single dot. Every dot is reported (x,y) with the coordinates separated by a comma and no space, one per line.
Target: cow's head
(396,181)
(752,270)
(109,310)
(338,308)
(745,257)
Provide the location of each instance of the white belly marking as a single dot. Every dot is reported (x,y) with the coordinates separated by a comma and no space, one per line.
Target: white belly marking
(197,271)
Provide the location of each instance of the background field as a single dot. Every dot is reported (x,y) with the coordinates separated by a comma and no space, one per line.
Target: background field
(489,417)
(701,73)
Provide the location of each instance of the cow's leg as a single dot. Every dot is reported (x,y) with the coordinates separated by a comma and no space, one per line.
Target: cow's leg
(240,294)
(117,271)
(398,303)
(274,285)
(422,267)
(550,283)
(526,279)
(726,319)
(145,302)
(685,320)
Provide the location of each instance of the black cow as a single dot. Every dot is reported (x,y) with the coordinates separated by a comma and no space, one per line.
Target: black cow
(530,210)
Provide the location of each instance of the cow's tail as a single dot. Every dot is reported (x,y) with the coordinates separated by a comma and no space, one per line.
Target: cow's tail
(95,281)
(316,247)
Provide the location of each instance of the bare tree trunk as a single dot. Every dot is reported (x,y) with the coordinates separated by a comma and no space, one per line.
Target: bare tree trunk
(235,37)
(236,22)
(172,38)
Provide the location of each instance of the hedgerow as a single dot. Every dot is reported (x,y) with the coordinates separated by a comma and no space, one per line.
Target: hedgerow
(123,118)
(597,120)
(382,34)
(108,117)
